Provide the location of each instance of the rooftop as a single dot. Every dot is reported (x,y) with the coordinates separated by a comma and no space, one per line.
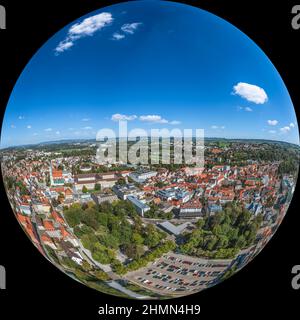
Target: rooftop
(171,228)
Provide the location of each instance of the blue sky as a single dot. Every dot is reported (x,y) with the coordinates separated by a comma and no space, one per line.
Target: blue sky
(158,65)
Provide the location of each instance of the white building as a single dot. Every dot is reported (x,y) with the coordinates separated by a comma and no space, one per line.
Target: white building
(140,206)
(141,176)
(123,191)
(87,180)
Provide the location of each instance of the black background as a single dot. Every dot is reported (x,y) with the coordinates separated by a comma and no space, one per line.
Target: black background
(35,288)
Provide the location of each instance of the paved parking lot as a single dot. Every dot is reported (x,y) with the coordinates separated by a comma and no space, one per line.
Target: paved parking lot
(177,274)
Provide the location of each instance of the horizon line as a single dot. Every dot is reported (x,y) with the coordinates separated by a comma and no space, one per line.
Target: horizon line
(93,139)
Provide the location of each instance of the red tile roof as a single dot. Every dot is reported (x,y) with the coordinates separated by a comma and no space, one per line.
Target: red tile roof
(57,217)
(48,225)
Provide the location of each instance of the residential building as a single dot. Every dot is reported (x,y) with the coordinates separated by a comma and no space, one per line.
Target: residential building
(123,191)
(103,197)
(191,209)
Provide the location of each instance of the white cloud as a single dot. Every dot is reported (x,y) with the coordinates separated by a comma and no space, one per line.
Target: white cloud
(130,27)
(48,129)
(57,132)
(214,127)
(175,122)
(85,119)
(21,117)
(35,134)
(272,131)
(272,122)
(285,129)
(248,109)
(127,28)
(87,128)
(153,119)
(13,126)
(90,25)
(85,28)
(250,92)
(29,126)
(118,36)
(64,45)
(122,117)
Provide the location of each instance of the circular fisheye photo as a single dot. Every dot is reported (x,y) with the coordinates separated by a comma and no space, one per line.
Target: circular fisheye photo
(150,150)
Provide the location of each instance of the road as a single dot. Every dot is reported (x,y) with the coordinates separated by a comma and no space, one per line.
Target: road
(130,293)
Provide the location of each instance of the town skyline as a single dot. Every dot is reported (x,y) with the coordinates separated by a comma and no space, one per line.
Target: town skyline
(81,140)
(152,231)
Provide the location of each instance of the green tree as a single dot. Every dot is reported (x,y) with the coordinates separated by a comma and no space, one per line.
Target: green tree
(101,275)
(121,181)
(73,216)
(137,238)
(118,267)
(86,266)
(97,187)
